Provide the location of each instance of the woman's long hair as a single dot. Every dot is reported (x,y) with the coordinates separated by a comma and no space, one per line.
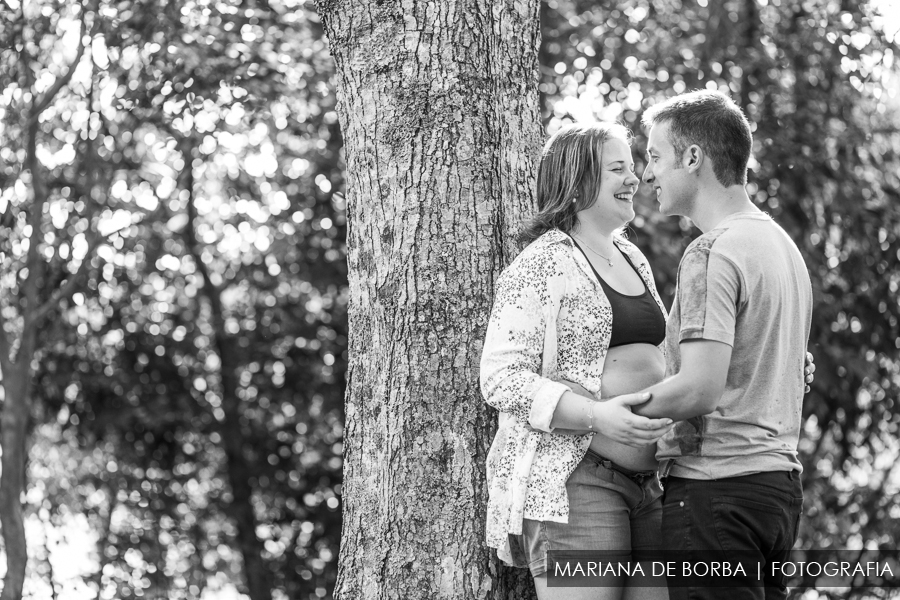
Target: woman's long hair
(568,177)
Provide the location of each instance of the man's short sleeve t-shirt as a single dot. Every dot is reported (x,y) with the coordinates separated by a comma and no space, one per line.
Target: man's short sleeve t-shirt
(744,284)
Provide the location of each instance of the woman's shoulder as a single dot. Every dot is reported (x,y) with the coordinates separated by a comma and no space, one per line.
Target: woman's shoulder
(549,254)
(551,245)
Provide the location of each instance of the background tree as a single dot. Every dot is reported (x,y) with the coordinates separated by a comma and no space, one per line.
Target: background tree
(52,224)
(197,383)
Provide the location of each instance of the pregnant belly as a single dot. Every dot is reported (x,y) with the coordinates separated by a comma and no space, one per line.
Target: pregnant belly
(628,369)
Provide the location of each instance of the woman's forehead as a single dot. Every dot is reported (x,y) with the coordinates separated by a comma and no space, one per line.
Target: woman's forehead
(615,150)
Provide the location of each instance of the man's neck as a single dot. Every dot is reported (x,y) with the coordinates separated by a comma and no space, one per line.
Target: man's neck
(715,204)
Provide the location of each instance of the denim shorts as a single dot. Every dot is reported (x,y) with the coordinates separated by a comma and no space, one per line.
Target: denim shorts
(608,511)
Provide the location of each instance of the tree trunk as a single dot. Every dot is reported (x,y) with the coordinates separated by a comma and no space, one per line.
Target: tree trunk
(240,469)
(16,379)
(17,370)
(17,374)
(438,103)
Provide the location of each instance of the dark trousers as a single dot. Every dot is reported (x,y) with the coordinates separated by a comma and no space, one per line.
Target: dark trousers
(754,516)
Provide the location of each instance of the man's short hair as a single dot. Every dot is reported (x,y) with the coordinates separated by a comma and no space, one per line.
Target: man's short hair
(712,121)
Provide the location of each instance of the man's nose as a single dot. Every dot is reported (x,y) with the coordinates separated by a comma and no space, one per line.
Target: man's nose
(647,177)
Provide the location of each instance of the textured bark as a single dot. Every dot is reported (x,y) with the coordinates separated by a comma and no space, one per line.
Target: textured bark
(438,104)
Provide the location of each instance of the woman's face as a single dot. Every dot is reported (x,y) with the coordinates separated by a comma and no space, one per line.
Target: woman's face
(618,183)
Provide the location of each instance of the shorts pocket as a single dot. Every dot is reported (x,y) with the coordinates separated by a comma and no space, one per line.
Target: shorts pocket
(749,504)
(744,525)
(588,472)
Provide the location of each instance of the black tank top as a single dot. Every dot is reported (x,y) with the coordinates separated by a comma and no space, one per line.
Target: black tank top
(636,319)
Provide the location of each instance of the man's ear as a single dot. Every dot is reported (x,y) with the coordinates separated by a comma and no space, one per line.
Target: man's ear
(693,158)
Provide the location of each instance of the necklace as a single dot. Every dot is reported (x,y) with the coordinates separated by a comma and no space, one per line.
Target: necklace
(608,259)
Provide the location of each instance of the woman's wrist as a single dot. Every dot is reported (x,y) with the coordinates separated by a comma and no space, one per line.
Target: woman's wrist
(575,412)
(590,411)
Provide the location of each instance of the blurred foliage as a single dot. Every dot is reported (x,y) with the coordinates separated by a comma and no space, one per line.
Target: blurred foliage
(211,126)
(207,354)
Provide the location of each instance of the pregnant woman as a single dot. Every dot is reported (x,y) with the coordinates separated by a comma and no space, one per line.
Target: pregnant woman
(576,327)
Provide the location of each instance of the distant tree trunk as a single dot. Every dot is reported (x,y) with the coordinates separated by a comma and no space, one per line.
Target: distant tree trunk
(40,300)
(240,469)
(438,103)
(17,373)
(15,416)
(750,75)
(103,540)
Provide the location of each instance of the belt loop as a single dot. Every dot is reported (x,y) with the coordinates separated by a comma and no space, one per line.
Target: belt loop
(664,467)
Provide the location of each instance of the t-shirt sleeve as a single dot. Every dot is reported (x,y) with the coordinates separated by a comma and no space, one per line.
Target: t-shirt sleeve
(709,293)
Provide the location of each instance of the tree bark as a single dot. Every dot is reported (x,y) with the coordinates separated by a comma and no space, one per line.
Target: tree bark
(438,104)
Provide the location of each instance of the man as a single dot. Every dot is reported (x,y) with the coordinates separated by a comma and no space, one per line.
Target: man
(736,343)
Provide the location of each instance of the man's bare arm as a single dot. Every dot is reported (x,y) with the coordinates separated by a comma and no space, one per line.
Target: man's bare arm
(698,386)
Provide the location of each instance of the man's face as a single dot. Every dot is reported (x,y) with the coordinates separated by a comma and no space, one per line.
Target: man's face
(674,187)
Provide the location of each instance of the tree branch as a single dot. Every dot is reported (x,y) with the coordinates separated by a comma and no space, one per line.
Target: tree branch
(190,233)
(50,576)
(5,347)
(33,262)
(45,100)
(103,540)
(23,52)
(71,283)
(36,311)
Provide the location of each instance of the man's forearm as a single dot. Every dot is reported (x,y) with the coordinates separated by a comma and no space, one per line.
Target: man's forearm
(679,397)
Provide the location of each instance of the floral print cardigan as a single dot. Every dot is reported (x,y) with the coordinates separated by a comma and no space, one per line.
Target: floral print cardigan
(550,321)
